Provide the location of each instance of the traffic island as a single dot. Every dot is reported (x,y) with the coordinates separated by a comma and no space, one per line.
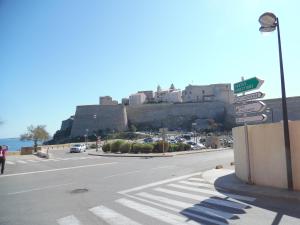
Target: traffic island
(143,155)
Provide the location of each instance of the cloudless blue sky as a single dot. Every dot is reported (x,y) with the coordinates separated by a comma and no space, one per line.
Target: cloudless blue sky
(57,54)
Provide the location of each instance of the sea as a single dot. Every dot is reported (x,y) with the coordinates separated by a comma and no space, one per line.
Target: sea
(14,144)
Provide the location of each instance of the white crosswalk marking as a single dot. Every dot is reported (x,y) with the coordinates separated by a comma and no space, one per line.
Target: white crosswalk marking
(196,179)
(69,220)
(156,213)
(112,217)
(201,198)
(9,162)
(212,192)
(32,160)
(183,205)
(21,161)
(197,184)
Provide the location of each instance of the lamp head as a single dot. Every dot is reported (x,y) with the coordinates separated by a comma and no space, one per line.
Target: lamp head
(268,22)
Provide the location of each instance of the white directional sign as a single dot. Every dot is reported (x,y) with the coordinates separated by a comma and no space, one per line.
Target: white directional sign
(257,118)
(251,107)
(248,97)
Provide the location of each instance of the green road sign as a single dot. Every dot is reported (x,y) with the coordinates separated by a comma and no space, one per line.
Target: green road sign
(247,85)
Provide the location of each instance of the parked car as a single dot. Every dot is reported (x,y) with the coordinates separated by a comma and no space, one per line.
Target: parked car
(148,140)
(78,148)
(195,146)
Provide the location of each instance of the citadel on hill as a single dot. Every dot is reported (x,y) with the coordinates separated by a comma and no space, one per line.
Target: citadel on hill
(171,108)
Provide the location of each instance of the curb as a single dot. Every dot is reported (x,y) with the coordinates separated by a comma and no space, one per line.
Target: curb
(132,156)
(254,190)
(160,155)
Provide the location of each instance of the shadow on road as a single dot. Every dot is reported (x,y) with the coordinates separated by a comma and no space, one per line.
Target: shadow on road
(223,210)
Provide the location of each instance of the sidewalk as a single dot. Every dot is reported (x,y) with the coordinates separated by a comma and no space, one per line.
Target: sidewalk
(227,180)
(167,154)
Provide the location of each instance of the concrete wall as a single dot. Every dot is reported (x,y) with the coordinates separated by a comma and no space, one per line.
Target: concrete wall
(267,154)
(107,117)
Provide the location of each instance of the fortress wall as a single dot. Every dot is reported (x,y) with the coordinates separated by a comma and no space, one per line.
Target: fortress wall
(293,106)
(173,115)
(107,117)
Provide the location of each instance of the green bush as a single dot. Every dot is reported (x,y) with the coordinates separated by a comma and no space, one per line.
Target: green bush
(187,147)
(115,146)
(161,146)
(125,147)
(173,148)
(137,147)
(106,147)
(146,148)
(183,147)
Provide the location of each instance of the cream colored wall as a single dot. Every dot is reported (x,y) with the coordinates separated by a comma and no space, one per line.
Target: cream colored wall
(240,154)
(294,128)
(267,154)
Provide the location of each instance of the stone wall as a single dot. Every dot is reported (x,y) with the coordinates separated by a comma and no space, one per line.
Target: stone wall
(172,116)
(293,105)
(95,117)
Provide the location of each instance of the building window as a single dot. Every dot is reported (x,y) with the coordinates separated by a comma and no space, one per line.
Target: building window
(203,92)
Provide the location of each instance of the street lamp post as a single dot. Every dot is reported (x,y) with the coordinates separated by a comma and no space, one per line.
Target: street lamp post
(269,22)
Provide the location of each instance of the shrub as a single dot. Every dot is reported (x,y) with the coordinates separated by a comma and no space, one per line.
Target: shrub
(146,148)
(115,146)
(187,147)
(125,147)
(161,146)
(173,147)
(136,148)
(106,147)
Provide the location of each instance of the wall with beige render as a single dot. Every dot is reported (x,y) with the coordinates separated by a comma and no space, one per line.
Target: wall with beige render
(267,154)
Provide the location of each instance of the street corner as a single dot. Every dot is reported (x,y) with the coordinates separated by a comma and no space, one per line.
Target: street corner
(213,175)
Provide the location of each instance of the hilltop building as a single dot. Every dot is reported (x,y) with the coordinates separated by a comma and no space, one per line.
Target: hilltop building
(137,99)
(107,100)
(208,93)
(171,95)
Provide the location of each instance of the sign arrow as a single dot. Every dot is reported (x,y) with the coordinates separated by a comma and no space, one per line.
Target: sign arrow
(256,118)
(252,107)
(248,97)
(247,85)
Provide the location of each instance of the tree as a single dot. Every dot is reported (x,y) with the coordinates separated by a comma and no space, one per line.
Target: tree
(132,128)
(35,134)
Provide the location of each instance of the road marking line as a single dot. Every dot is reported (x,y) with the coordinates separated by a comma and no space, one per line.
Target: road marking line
(69,220)
(10,162)
(159,183)
(201,198)
(197,184)
(196,179)
(53,170)
(190,206)
(32,160)
(38,189)
(21,161)
(213,192)
(112,217)
(155,213)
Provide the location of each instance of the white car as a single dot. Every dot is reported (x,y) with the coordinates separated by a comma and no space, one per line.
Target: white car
(78,148)
(195,146)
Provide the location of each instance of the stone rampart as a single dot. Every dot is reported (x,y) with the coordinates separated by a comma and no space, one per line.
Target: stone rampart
(98,117)
(172,115)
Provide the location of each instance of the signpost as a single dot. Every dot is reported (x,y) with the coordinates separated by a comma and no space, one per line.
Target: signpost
(249,107)
(256,118)
(249,97)
(252,107)
(247,85)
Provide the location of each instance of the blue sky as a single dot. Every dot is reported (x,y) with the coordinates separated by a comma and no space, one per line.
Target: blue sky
(57,54)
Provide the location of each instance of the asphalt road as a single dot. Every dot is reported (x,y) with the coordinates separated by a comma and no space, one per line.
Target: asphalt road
(78,189)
